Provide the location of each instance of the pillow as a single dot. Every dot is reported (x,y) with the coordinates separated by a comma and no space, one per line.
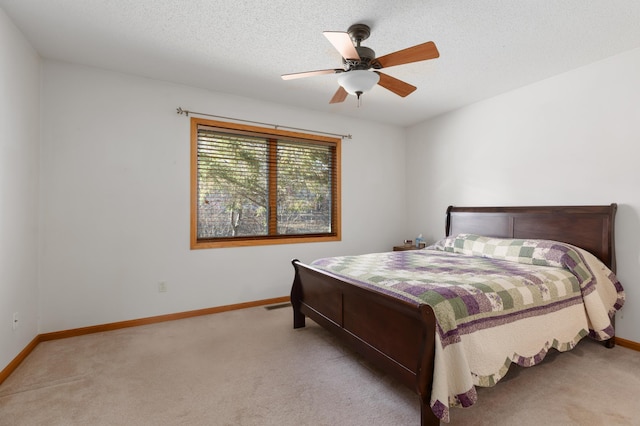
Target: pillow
(537,252)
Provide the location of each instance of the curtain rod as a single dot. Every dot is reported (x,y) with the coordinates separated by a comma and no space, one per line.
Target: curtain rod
(181,111)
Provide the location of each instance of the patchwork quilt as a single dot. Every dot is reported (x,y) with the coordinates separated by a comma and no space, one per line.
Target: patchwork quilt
(496,301)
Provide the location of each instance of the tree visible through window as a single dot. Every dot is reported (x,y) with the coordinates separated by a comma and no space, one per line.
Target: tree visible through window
(253,185)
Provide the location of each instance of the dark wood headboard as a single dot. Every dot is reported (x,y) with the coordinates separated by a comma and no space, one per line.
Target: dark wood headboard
(588,227)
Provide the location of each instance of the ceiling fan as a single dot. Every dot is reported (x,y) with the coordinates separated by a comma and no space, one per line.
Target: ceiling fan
(360,74)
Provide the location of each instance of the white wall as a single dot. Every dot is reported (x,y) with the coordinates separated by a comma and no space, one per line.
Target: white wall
(19,130)
(571,139)
(115,200)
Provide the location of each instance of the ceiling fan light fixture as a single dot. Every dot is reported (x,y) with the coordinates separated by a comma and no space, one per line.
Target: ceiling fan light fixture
(357,82)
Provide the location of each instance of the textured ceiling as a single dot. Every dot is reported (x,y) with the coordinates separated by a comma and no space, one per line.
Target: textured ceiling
(487,47)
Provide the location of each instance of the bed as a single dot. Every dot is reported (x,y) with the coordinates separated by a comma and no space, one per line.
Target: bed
(398,334)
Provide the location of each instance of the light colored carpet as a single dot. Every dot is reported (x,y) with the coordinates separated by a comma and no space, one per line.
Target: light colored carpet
(249,367)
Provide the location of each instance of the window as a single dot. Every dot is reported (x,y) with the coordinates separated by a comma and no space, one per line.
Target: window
(253,185)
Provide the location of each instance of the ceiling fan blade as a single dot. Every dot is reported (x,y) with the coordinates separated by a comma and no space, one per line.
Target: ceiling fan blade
(398,87)
(310,73)
(421,52)
(339,96)
(343,44)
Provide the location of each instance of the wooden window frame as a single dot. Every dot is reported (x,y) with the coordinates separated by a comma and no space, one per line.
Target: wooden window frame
(197,243)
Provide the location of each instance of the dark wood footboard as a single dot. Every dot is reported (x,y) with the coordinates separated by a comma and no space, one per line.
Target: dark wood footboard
(395,335)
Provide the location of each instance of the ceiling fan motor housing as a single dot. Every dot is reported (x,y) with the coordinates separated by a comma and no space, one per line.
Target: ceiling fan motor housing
(367,57)
(359,33)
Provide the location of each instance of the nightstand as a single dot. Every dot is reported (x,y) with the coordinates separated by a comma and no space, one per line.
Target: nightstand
(403,248)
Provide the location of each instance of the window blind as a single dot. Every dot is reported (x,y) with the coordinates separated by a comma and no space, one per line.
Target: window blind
(260,186)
